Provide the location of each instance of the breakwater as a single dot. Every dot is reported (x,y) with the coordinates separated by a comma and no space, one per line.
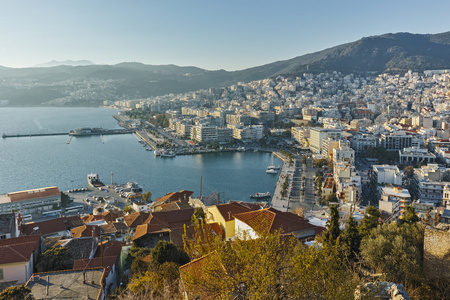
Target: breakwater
(102,132)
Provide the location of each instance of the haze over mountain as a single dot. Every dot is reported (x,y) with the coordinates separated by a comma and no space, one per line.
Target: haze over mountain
(73,63)
(91,84)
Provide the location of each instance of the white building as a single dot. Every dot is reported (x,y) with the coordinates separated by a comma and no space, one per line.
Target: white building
(31,201)
(415,155)
(318,134)
(394,201)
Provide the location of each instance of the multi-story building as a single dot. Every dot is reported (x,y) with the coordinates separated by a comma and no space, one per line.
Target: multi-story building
(415,155)
(318,134)
(361,142)
(237,119)
(252,132)
(31,201)
(204,133)
(394,201)
(398,140)
(183,128)
(428,184)
(300,134)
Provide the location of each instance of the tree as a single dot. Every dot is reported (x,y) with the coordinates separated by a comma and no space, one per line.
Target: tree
(128,209)
(65,200)
(409,217)
(333,231)
(166,251)
(369,221)
(203,240)
(409,171)
(147,197)
(350,239)
(55,259)
(16,293)
(395,250)
(198,215)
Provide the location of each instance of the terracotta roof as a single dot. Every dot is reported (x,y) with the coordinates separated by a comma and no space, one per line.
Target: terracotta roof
(33,194)
(183,194)
(228,210)
(91,218)
(85,231)
(164,221)
(270,220)
(114,227)
(45,227)
(18,249)
(111,216)
(89,263)
(109,248)
(137,218)
(175,205)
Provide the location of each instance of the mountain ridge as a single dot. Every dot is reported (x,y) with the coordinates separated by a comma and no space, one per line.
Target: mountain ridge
(391,52)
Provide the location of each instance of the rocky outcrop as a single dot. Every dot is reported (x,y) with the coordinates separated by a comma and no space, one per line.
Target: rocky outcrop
(381,290)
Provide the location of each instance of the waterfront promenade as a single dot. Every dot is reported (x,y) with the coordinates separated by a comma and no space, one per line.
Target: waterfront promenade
(287,171)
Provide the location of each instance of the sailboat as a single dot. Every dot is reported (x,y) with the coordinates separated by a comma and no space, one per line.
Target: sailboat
(272,166)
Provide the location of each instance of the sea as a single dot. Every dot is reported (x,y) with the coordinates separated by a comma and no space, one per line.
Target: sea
(37,162)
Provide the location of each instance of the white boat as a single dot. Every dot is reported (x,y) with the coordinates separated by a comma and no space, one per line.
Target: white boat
(271,171)
(260,195)
(156,152)
(240,149)
(167,154)
(272,166)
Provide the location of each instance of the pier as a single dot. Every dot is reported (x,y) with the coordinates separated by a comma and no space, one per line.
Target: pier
(102,132)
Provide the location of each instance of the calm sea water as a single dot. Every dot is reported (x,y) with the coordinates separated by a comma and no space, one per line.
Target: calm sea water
(34,162)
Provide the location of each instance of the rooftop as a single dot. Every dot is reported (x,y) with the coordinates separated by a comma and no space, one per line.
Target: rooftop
(73,284)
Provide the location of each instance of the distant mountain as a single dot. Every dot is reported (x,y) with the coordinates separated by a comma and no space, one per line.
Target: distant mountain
(91,84)
(73,63)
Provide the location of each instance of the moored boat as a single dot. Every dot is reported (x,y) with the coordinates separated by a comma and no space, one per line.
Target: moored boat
(260,195)
(94,181)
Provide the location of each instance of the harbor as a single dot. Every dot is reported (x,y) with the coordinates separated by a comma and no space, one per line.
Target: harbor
(76,132)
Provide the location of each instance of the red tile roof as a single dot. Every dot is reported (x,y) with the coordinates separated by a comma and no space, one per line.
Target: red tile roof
(137,218)
(19,249)
(33,194)
(271,220)
(85,231)
(45,227)
(228,210)
(89,263)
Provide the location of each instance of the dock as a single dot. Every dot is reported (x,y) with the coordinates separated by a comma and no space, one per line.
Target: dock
(103,132)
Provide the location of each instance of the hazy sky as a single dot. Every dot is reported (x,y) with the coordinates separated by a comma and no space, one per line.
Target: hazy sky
(210,34)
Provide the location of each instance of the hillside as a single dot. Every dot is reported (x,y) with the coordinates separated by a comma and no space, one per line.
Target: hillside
(89,85)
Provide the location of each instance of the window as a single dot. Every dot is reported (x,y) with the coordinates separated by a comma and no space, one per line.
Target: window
(1,274)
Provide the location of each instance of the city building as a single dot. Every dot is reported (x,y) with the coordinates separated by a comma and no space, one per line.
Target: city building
(413,156)
(319,134)
(394,201)
(31,201)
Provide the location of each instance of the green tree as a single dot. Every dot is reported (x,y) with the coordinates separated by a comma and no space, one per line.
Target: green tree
(198,215)
(147,197)
(65,200)
(409,217)
(55,259)
(369,221)
(350,239)
(409,171)
(333,231)
(20,292)
(395,250)
(128,209)
(166,251)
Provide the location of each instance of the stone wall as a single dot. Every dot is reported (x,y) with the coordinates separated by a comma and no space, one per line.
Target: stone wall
(437,251)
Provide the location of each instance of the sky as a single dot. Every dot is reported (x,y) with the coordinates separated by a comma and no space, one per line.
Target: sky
(209,34)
